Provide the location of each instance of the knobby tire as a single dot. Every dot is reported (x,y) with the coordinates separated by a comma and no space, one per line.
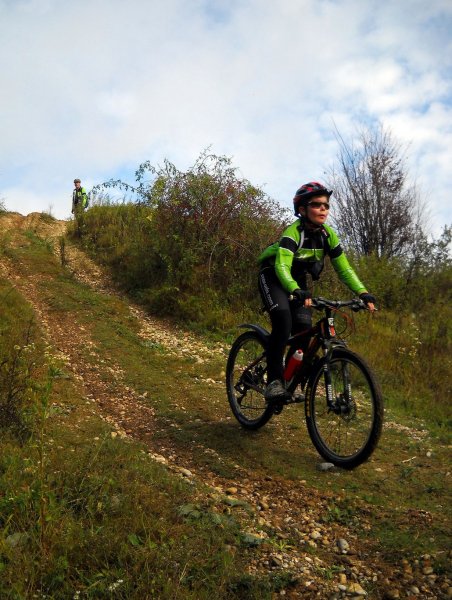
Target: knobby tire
(246,380)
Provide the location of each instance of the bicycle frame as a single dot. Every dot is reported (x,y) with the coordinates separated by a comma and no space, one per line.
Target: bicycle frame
(323,336)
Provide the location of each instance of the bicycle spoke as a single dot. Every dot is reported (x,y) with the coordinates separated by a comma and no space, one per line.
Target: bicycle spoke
(247,380)
(345,426)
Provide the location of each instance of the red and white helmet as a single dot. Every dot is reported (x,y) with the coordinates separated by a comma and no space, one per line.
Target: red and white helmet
(308,191)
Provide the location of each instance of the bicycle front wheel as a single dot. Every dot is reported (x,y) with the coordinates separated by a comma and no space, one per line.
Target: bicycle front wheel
(344,409)
(246,380)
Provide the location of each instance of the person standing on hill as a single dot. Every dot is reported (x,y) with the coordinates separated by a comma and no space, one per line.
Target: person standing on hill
(79,198)
(284,270)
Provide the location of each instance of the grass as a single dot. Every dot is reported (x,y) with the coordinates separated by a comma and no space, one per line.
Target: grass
(87,514)
(111,519)
(207,423)
(91,514)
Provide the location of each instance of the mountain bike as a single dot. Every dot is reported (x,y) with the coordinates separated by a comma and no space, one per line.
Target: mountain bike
(342,398)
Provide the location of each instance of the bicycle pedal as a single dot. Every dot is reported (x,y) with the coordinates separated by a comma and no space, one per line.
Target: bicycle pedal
(295,399)
(277,406)
(298,399)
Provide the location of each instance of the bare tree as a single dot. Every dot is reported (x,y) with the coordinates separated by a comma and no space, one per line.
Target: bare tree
(375,210)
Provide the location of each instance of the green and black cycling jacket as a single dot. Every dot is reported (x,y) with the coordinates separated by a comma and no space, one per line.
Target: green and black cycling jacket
(300,251)
(79,196)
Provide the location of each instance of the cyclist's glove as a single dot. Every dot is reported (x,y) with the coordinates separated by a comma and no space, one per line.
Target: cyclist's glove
(301,295)
(368,298)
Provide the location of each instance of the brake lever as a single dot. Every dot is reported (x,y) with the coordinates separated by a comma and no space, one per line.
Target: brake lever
(362,306)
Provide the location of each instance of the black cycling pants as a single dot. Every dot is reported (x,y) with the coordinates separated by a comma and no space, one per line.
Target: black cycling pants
(286,319)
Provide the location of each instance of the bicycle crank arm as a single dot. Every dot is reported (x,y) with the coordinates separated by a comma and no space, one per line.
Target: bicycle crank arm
(250,386)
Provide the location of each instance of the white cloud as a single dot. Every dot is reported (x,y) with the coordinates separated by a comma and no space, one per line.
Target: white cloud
(96,87)
(25,201)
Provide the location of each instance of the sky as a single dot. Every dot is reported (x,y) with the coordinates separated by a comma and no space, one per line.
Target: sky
(93,88)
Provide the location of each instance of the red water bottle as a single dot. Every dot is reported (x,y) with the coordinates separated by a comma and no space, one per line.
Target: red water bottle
(293,364)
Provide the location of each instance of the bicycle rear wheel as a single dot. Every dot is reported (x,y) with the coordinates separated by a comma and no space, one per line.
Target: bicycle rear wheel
(344,426)
(246,380)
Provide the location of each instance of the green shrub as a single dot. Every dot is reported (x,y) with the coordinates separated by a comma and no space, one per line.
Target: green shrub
(195,235)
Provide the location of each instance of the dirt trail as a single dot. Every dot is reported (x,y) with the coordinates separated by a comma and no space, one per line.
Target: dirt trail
(275,502)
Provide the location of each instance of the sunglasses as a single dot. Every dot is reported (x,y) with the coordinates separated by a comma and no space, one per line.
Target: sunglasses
(319,205)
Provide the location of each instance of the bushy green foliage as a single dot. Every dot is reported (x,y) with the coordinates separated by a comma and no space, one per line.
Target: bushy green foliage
(121,237)
(189,247)
(212,226)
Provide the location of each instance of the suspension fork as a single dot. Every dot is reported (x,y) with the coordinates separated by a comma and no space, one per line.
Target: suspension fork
(328,347)
(327,330)
(347,382)
(327,350)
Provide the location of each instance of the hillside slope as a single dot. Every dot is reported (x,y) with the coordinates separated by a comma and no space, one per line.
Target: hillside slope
(377,531)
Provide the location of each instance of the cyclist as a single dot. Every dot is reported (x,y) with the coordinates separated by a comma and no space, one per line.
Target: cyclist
(284,270)
(79,198)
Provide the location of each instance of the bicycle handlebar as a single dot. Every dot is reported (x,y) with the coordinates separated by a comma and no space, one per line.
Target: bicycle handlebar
(355,303)
(320,303)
